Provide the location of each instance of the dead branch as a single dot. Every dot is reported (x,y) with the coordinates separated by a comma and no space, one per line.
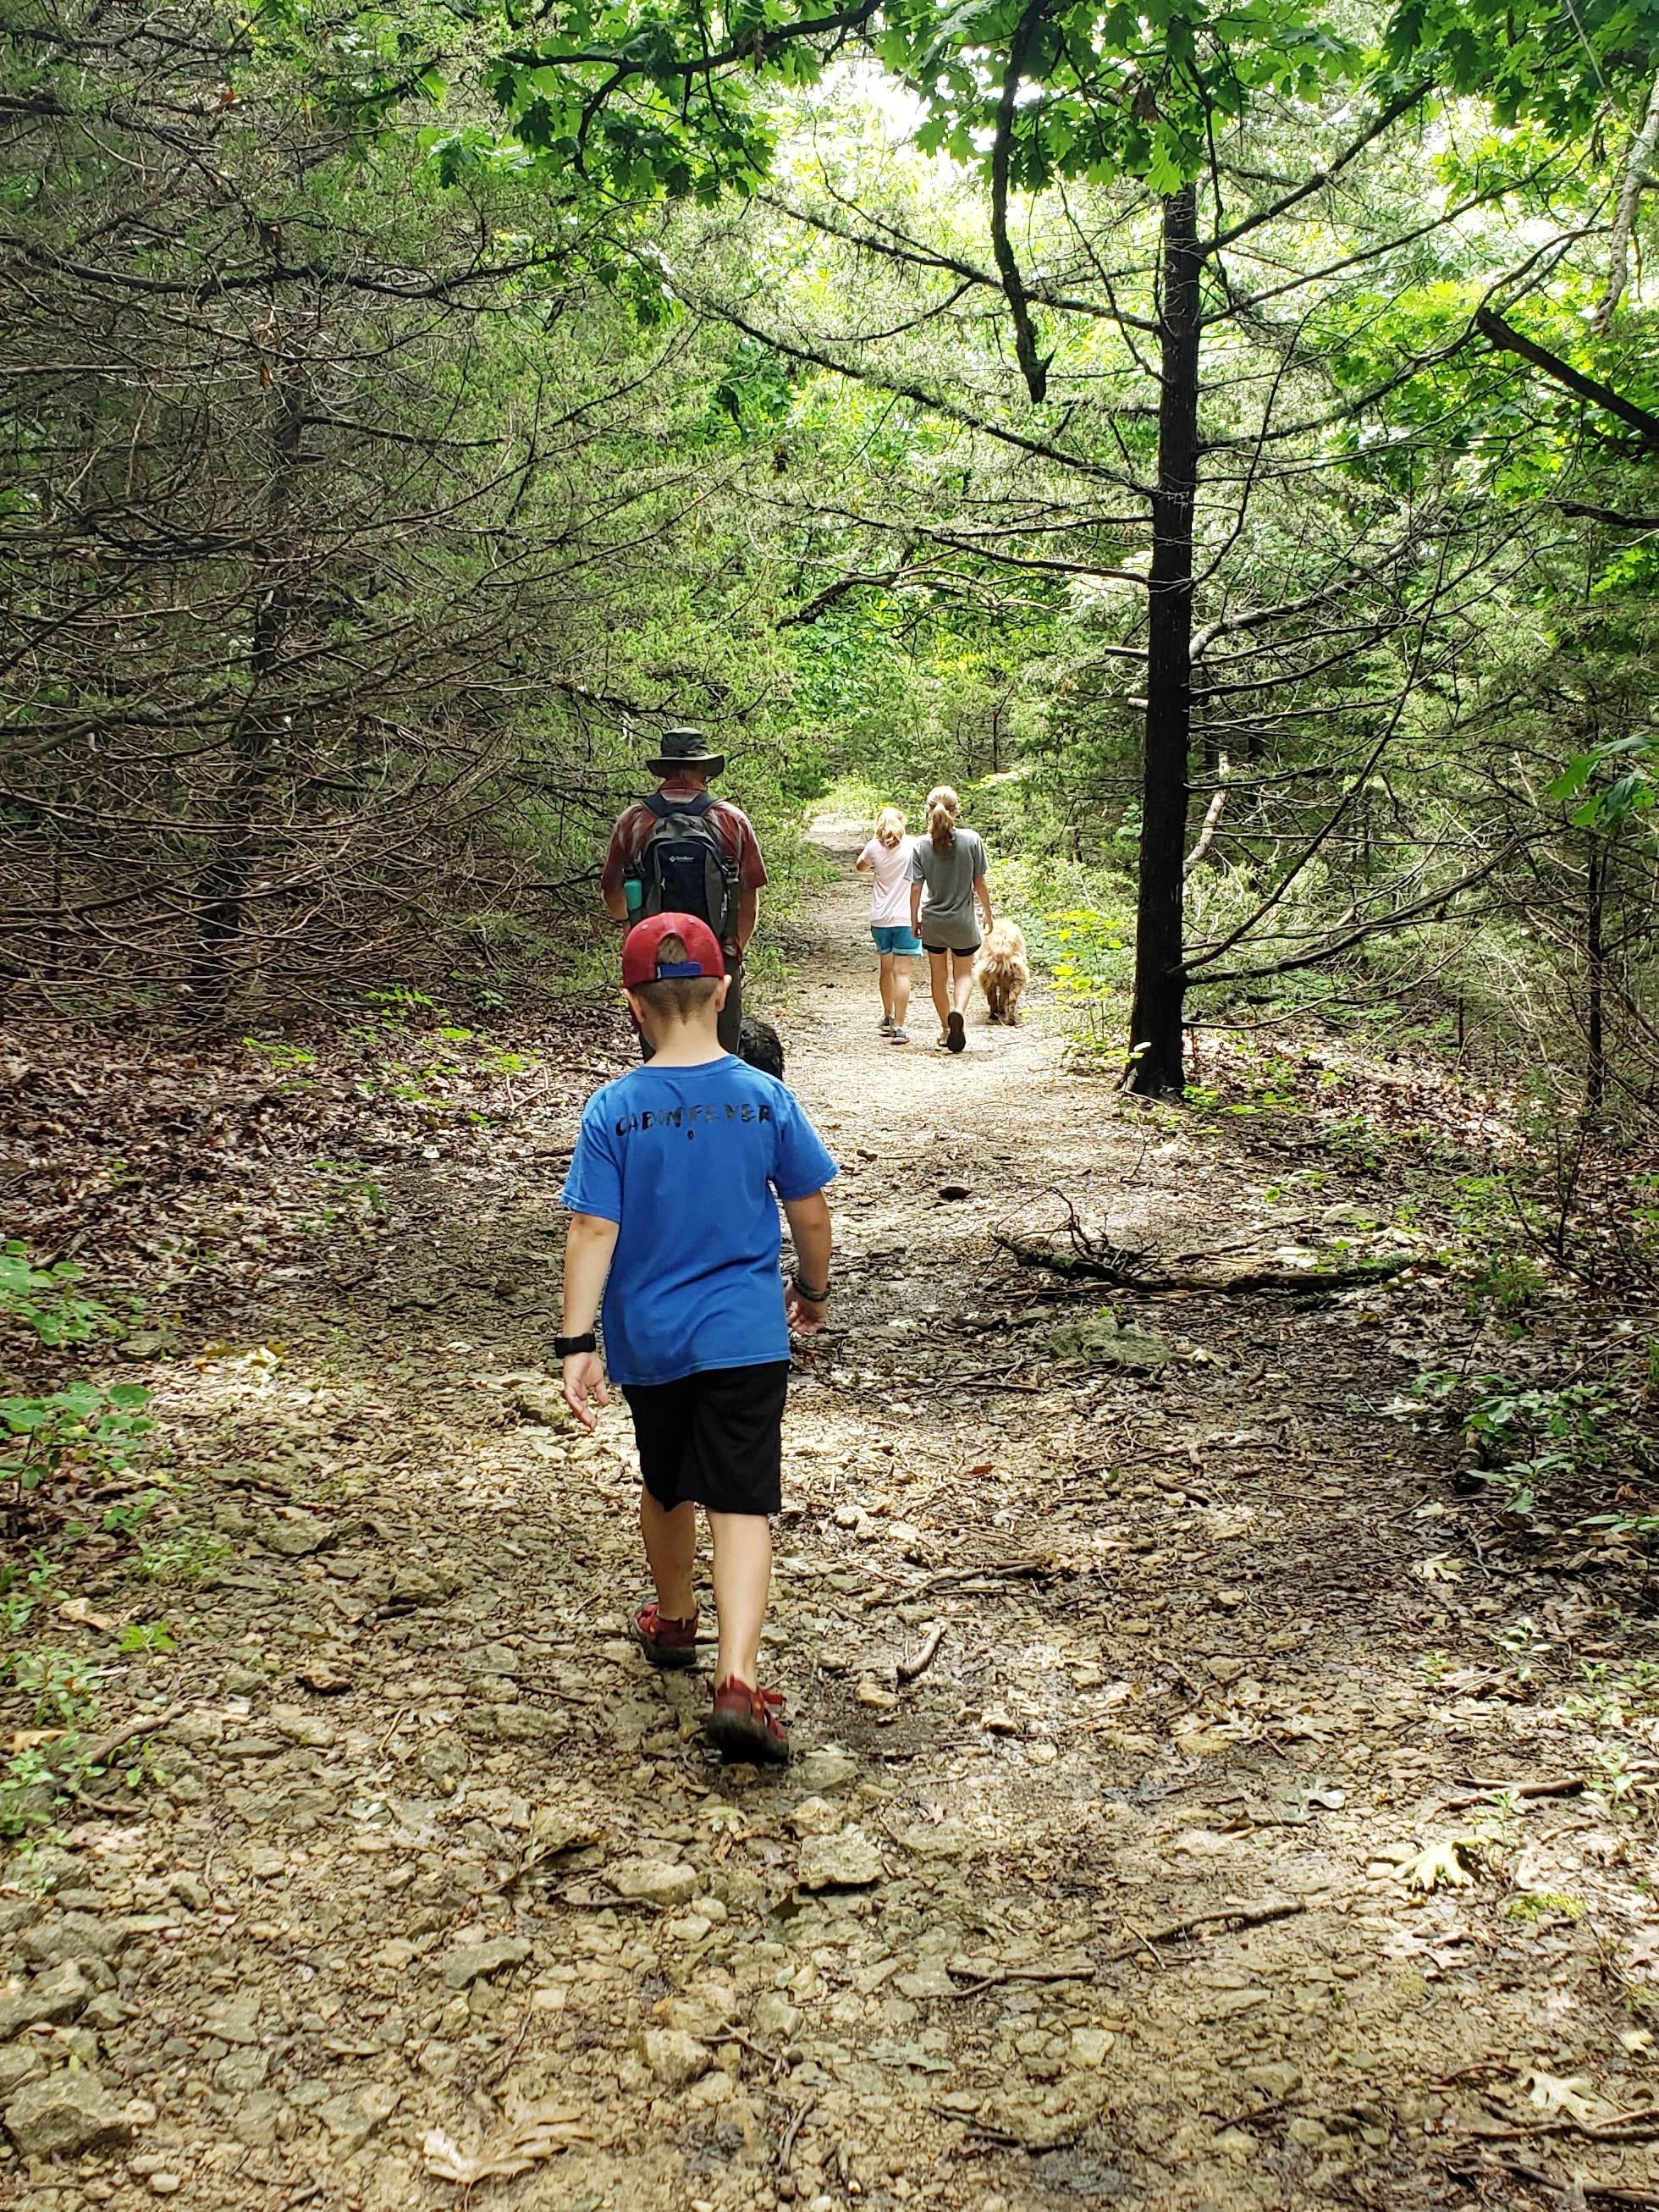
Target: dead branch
(1133,1271)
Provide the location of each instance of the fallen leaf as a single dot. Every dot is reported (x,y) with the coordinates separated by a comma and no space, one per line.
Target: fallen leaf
(1440,1866)
(1572,2095)
(1439,1569)
(526,2135)
(79,1610)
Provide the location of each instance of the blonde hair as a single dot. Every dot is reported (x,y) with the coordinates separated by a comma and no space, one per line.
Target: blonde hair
(943,808)
(890,827)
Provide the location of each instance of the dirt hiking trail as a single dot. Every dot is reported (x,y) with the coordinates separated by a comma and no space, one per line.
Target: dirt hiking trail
(1188,1811)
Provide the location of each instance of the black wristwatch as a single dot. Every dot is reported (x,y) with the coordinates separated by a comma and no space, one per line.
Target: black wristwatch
(813,1298)
(566,1347)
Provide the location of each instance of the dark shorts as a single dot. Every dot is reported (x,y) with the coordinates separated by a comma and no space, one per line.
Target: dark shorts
(715,1438)
(961,951)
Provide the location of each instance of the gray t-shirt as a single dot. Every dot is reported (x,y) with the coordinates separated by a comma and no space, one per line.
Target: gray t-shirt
(948,914)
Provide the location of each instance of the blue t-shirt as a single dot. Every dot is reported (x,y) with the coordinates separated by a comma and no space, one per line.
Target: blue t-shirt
(690,1162)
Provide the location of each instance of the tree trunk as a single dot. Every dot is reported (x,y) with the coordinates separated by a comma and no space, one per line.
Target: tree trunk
(1156,1038)
(1596,1056)
(257,734)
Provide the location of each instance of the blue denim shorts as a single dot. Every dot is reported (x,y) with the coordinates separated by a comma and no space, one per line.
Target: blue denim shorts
(897,939)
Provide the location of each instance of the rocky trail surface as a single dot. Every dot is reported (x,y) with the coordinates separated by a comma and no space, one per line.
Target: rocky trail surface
(1199,1802)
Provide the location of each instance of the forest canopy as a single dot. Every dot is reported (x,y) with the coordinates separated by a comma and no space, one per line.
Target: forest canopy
(1221,437)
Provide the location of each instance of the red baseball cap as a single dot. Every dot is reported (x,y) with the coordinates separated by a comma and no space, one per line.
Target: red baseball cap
(641,961)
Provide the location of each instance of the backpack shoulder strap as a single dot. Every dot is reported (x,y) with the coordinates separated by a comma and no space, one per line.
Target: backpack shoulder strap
(663,808)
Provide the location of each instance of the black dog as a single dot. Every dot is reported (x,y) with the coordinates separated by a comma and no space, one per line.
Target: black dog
(759,1043)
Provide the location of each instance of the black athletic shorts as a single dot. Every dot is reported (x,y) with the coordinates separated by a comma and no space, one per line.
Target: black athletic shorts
(961,951)
(716,1438)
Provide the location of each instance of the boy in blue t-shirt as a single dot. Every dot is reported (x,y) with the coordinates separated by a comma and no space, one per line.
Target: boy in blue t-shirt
(679,1168)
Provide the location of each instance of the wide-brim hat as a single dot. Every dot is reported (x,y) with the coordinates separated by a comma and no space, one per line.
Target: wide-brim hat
(686,748)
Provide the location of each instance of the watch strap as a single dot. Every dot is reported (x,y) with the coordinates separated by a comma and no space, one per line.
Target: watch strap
(566,1347)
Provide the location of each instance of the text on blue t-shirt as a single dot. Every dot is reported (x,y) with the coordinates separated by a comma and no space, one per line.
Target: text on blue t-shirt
(689,1162)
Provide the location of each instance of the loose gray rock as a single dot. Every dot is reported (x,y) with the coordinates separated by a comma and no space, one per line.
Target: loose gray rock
(255,2121)
(19,2063)
(846,1860)
(352,2118)
(543,1402)
(703,2009)
(815,1816)
(930,1980)
(653,1881)
(301,1726)
(776,2016)
(413,1586)
(514,1723)
(73,1935)
(234,2019)
(254,1747)
(50,1998)
(825,1769)
(674,2057)
(474,1962)
(295,1535)
(68,2112)
(240,2071)
(202,1730)
(144,1343)
(53,1869)
(1019,2113)
(949,1839)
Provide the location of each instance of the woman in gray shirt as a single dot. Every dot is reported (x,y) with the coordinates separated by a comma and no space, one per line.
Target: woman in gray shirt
(947,876)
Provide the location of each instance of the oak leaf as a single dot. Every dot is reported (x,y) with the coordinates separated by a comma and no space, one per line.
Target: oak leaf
(525,2135)
(1440,1866)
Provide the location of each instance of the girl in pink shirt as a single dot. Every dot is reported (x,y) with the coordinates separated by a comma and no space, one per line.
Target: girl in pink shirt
(887,858)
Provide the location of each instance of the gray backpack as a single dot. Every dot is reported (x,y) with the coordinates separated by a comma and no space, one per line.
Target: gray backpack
(683,868)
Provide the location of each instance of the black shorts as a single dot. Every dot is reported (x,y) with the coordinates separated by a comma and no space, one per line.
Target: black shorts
(961,951)
(715,1438)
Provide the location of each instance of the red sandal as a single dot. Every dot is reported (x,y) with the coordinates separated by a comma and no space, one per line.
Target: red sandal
(748,1723)
(666,1643)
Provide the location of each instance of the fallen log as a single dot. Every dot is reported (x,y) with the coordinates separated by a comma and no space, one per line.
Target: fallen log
(1133,1270)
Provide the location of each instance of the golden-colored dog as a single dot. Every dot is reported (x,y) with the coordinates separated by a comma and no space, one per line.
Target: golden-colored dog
(1002,971)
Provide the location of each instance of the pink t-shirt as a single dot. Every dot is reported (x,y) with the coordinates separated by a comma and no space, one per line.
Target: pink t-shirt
(890,899)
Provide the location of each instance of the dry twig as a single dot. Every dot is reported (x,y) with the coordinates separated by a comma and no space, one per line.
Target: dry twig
(908,1669)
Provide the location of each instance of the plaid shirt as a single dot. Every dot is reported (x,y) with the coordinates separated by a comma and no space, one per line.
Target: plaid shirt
(729,825)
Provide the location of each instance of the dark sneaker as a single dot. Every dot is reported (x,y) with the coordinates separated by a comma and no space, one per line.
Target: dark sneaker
(956,1034)
(748,1723)
(885,1025)
(666,1643)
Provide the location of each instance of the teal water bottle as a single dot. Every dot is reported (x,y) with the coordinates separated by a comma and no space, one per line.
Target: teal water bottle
(633,894)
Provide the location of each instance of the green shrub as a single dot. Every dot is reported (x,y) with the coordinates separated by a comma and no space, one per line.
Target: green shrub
(85,1424)
(43,1299)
